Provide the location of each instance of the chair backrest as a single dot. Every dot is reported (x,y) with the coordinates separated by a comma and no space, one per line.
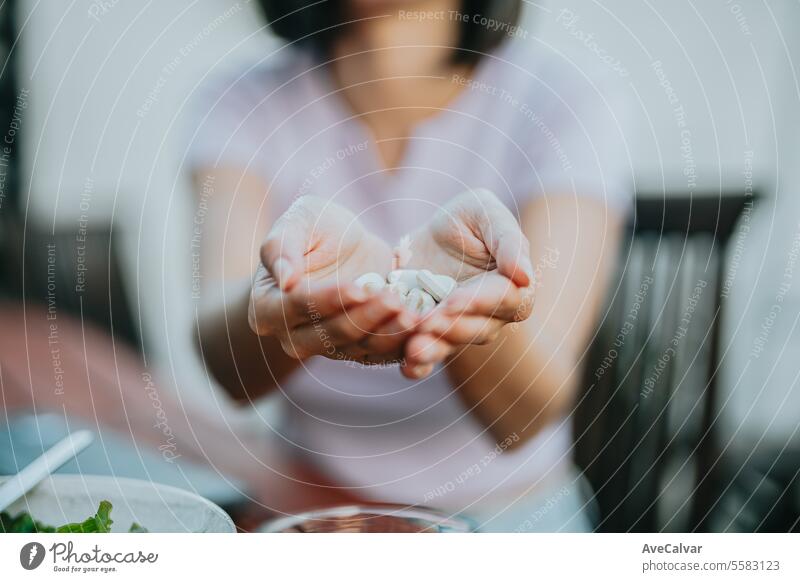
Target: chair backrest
(643,420)
(78,272)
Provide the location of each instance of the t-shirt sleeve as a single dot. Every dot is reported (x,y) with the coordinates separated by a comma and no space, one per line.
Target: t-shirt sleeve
(576,139)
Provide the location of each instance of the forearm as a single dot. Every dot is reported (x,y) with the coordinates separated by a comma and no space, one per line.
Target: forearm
(246,365)
(515,385)
(527,378)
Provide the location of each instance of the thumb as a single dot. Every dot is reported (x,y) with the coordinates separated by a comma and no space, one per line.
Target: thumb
(505,241)
(511,251)
(282,255)
(284,249)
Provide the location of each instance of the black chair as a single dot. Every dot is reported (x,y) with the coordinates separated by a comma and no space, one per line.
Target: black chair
(37,266)
(643,423)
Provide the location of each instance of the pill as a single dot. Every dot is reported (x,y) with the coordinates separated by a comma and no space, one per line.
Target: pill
(438,286)
(399,287)
(428,303)
(407,276)
(371,282)
(419,301)
(414,299)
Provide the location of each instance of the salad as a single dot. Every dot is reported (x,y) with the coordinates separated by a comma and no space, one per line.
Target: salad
(100,522)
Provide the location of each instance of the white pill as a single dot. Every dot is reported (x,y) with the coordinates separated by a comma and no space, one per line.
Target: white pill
(419,301)
(371,282)
(438,286)
(448,284)
(399,287)
(428,303)
(414,299)
(407,276)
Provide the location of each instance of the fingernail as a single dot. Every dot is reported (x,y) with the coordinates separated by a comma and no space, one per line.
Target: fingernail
(421,371)
(282,270)
(406,320)
(455,306)
(435,325)
(427,354)
(391,301)
(358,294)
(527,268)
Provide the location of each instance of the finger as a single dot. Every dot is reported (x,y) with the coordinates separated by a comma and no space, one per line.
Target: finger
(416,372)
(343,330)
(510,249)
(424,349)
(259,315)
(391,335)
(282,254)
(466,329)
(490,295)
(287,243)
(311,302)
(504,239)
(393,358)
(512,255)
(356,323)
(350,353)
(305,303)
(355,354)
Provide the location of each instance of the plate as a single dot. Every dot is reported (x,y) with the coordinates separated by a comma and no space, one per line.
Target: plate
(64,499)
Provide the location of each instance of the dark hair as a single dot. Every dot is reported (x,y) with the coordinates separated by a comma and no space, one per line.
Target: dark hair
(317,23)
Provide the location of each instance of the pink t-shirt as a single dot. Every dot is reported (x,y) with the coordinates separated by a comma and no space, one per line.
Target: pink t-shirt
(525,125)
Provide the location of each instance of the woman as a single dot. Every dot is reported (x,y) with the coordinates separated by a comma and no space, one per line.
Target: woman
(434,134)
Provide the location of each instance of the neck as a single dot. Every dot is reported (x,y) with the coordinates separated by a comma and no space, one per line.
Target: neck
(384,43)
(395,69)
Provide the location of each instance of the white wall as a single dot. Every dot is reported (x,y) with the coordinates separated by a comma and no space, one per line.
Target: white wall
(734,69)
(90,71)
(706,59)
(107,92)
(761,386)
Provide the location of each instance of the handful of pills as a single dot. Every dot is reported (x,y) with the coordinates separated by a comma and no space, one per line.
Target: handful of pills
(420,290)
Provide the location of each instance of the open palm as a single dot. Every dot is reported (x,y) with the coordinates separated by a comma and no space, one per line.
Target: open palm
(476,240)
(304,294)
(471,235)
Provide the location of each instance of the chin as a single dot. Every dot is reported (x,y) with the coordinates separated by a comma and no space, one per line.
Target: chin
(384,4)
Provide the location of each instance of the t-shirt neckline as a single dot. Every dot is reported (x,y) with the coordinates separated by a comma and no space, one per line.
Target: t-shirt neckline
(464,102)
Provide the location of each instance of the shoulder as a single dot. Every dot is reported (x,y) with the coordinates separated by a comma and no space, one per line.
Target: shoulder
(236,115)
(569,117)
(270,83)
(545,91)
(541,75)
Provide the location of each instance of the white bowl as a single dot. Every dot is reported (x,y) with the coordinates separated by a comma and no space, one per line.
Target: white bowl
(158,508)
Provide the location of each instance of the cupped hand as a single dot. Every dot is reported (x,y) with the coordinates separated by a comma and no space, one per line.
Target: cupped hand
(472,234)
(304,295)
(476,240)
